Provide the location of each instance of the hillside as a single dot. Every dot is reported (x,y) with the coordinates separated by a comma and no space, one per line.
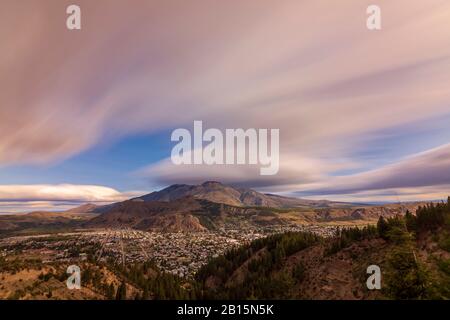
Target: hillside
(184,214)
(413,253)
(85,208)
(168,216)
(35,280)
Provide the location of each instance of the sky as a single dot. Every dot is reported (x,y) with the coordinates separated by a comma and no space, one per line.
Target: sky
(86,115)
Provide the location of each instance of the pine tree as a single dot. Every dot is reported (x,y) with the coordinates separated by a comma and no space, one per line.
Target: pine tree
(382,227)
(410,220)
(145,294)
(121,293)
(110,292)
(406,278)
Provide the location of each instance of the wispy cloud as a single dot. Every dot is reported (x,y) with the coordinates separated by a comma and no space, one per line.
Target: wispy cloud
(428,169)
(61,192)
(22,198)
(311,69)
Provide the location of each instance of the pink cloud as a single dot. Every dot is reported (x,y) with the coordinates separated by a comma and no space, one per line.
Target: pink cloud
(311,69)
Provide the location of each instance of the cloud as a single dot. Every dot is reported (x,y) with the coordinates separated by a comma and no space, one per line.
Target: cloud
(58,197)
(311,69)
(294,168)
(426,174)
(22,207)
(396,195)
(61,192)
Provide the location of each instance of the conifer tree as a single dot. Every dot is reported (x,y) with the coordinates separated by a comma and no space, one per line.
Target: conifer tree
(382,227)
(121,293)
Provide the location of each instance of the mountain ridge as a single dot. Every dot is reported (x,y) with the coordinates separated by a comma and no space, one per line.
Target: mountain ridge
(236,196)
(210,206)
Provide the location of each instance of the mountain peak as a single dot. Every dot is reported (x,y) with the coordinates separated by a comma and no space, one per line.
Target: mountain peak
(212,184)
(218,192)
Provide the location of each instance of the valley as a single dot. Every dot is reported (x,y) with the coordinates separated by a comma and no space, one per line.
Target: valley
(178,253)
(214,241)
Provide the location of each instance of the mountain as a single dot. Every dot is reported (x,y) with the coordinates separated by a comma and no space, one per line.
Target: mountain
(209,206)
(183,214)
(220,193)
(213,205)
